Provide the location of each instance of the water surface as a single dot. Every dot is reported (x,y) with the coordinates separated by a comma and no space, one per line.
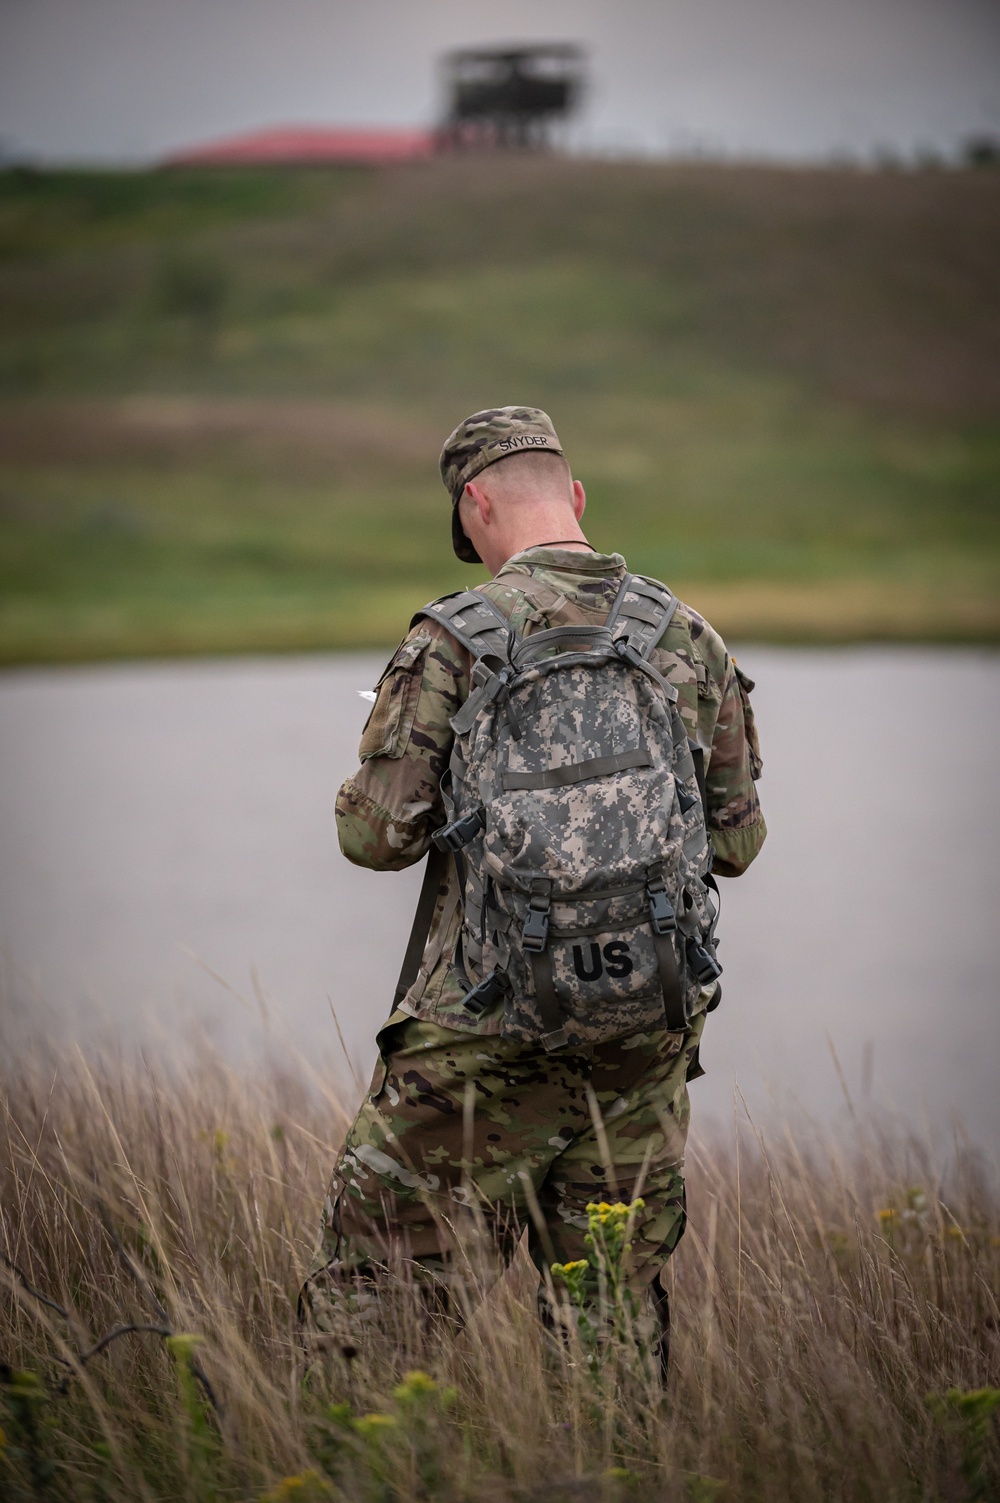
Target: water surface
(170,865)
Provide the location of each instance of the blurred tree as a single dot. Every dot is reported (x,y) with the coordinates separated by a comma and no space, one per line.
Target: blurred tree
(981,151)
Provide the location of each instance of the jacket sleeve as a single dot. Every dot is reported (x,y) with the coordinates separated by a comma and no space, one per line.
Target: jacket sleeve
(727,729)
(387,810)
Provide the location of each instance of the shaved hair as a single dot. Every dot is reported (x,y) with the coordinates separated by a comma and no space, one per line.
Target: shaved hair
(534,474)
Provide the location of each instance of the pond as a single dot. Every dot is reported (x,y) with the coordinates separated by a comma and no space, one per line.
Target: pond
(170,870)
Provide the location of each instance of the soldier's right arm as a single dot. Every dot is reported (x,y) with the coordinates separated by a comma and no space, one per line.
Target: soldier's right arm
(387,810)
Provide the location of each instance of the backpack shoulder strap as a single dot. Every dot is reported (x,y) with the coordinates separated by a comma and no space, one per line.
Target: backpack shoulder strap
(482,628)
(471,619)
(642,611)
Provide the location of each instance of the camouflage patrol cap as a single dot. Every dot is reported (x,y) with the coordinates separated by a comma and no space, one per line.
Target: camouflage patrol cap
(481,440)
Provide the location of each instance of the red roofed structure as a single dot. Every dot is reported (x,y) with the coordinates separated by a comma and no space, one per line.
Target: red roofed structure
(304,144)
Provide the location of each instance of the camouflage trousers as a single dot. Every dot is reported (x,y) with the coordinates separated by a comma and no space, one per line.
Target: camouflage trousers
(472,1128)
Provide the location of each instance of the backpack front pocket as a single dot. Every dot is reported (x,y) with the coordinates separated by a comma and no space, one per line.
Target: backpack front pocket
(600,959)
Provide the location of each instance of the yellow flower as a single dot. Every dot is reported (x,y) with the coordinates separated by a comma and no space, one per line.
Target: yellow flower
(415,1385)
(369,1425)
(298,1487)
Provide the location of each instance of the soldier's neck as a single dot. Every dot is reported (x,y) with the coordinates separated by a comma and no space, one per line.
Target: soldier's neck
(569,537)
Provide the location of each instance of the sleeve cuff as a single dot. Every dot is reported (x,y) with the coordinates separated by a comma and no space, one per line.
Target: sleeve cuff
(372,836)
(735,849)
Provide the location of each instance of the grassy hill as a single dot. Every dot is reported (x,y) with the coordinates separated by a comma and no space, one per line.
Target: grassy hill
(222,395)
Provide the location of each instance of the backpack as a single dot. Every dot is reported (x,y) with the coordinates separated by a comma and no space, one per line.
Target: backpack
(575,818)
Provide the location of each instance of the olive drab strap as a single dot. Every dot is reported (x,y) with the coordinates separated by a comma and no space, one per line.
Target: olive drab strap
(642,611)
(663,922)
(434,875)
(534,940)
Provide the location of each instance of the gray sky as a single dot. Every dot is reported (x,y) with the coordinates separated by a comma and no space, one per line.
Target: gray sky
(127,80)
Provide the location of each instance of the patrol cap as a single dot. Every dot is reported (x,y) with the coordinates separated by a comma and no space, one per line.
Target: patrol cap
(481,440)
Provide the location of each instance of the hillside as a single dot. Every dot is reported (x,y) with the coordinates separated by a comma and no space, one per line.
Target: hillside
(222,395)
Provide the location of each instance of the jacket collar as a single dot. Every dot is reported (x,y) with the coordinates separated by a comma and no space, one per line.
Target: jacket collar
(572,560)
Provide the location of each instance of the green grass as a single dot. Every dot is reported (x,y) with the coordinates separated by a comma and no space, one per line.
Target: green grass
(222,395)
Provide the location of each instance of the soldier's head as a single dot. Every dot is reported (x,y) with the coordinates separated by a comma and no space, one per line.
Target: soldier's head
(510,485)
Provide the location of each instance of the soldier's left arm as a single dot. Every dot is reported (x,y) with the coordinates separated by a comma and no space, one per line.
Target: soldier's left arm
(713,698)
(728,731)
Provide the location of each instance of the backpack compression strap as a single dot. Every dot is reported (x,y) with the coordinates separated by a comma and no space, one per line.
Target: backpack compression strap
(642,611)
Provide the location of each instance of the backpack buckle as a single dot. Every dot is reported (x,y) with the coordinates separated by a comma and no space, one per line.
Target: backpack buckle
(535,934)
(490,990)
(685,798)
(456,836)
(624,649)
(702,962)
(661,914)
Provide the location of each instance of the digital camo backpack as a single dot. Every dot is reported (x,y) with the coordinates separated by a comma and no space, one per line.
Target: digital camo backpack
(577,825)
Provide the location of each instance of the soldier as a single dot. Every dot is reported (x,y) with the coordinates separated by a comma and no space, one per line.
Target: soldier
(460,1112)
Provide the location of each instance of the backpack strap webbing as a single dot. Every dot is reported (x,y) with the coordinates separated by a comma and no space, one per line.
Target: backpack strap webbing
(663,927)
(554,1035)
(642,611)
(434,874)
(471,619)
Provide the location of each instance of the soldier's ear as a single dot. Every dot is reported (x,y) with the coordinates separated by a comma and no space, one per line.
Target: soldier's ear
(480,501)
(579,500)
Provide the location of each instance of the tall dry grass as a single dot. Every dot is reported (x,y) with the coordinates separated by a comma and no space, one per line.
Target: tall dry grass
(825,1293)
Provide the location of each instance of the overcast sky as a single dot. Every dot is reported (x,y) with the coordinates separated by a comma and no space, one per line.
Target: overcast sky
(129,80)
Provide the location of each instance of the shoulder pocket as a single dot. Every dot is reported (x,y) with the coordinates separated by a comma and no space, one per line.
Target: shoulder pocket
(387,730)
(746,686)
(707,687)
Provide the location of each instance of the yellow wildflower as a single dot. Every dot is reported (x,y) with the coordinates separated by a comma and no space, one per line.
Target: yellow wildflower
(298,1487)
(369,1425)
(416,1384)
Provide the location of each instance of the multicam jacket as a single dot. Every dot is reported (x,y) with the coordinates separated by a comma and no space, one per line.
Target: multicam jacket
(388,810)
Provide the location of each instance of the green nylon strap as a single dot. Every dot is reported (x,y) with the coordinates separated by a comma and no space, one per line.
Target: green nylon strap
(673,997)
(652,615)
(554,1036)
(576,772)
(698,758)
(434,874)
(571,638)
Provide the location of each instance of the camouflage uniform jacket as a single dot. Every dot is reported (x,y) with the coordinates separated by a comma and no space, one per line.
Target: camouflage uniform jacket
(387,811)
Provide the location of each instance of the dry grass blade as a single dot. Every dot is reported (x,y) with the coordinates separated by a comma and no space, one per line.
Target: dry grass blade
(823,1291)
